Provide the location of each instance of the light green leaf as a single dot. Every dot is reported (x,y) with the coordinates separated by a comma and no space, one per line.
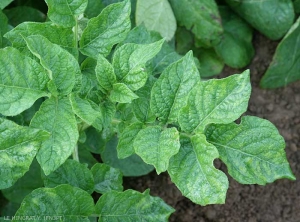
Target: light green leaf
(125,146)
(3,28)
(67,203)
(157,15)
(284,69)
(56,116)
(65,12)
(253,150)
(216,101)
(129,62)
(202,17)
(87,110)
(18,147)
(62,67)
(106,178)
(73,173)
(236,47)
(122,94)
(115,24)
(4,3)
(105,73)
(171,90)
(22,82)
(131,205)
(193,172)
(271,18)
(157,146)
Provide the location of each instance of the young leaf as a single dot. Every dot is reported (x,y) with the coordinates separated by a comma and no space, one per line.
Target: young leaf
(57,117)
(125,146)
(171,90)
(253,150)
(106,178)
(65,12)
(22,82)
(73,173)
(129,61)
(115,24)
(18,147)
(131,205)
(71,204)
(202,17)
(62,67)
(105,73)
(157,146)
(284,69)
(193,172)
(156,15)
(87,110)
(122,94)
(216,101)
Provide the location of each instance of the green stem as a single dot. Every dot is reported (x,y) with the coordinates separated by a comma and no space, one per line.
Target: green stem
(75,153)
(186,134)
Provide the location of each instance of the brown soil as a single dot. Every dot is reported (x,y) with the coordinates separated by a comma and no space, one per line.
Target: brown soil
(276,202)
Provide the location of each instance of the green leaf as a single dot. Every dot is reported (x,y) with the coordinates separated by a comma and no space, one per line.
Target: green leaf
(65,12)
(253,150)
(284,69)
(157,146)
(236,47)
(202,17)
(94,8)
(271,18)
(73,173)
(131,205)
(56,116)
(122,94)
(22,82)
(115,24)
(62,67)
(171,90)
(125,146)
(105,73)
(85,155)
(31,180)
(18,147)
(129,61)
(193,172)
(4,3)
(64,202)
(297,6)
(106,178)
(87,110)
(3,28)
(94,142)
(61,36)
(216,101)
(156,15)
(130,166)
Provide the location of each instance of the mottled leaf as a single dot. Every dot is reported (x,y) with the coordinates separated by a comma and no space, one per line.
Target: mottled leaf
(105,73)
(122,94)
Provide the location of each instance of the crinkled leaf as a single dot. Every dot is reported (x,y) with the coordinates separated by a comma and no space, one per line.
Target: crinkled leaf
(18,146)
(284,69)
(193,172)
(171,90)
(4,3)
(105,73)
(252,150)
(131,205)
(56,116)
(122,94)
(62,67)
(129,61)
(22,82)
(87,110)
(202,17)
(115,24)
(157,146)
(156,15)
(64,12)
(272,18)
(216,101)
(73,173)
(106,178)
(236,47)
(125,146)
(3,28)
(67,203)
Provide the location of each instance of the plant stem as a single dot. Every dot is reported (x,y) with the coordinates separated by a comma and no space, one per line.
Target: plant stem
(76,32)
(75,153)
